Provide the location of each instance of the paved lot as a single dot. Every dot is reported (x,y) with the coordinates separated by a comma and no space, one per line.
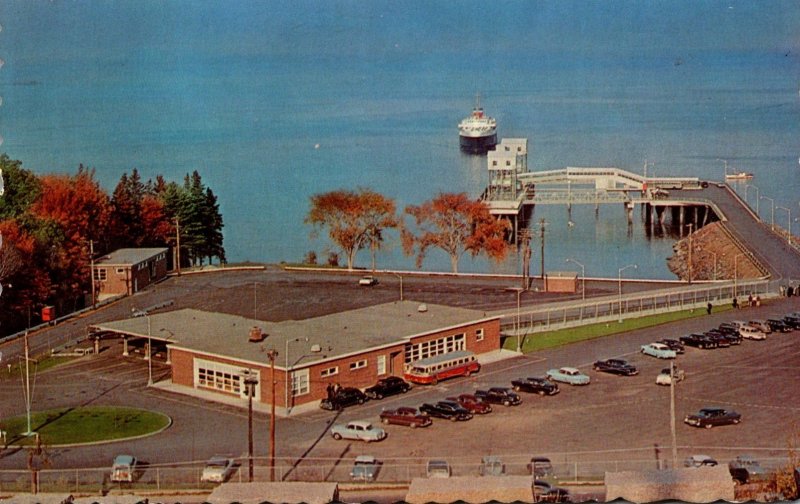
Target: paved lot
(613,423)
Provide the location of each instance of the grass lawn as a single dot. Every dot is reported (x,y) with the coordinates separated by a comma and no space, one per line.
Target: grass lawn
(42,363)
(549,339)
(84,425)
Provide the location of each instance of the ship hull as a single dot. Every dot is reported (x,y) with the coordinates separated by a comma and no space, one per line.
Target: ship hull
(478,145)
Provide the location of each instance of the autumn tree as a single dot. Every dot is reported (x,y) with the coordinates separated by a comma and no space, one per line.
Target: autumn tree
(455,224)
(354,219)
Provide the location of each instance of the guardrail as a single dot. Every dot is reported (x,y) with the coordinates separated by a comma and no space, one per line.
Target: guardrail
(615,308)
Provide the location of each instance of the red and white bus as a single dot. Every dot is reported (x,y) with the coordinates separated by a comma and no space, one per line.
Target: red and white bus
(441,367)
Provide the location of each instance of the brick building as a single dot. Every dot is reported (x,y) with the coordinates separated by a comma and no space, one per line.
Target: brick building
(129,270)
(214,351)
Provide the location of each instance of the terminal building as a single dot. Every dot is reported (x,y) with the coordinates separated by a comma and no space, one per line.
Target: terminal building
(216,351)
(126,271)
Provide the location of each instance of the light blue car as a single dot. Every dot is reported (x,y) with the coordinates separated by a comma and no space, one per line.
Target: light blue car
(659,350)
(569,375)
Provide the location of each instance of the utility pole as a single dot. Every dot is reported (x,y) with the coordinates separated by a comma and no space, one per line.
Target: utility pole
(271,355)
(250,381)
(541,225)
(525,235)
(672,379)
(91,260)
(691,225)
(178,244)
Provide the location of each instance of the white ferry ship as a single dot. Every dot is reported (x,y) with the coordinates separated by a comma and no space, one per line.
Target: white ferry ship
(478,132)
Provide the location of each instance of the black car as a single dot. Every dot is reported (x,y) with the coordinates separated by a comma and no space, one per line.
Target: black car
(446,409)
(673,344)
(615,366)
(712,417)
(698,340)
(535,385)
(718,337)
(778,326)
(792,321)
(388,386)
(342,398)
(728,328)
(498,395)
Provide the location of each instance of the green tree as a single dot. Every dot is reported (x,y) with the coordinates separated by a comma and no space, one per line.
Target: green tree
(354,219)
(22,188)
(456,224)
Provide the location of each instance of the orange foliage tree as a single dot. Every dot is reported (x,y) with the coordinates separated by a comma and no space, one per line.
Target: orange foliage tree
(354,219)
(25,285)
(71,210)
(456,224)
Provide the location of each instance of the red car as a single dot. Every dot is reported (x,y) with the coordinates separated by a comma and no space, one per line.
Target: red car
(405,416)
(472,403)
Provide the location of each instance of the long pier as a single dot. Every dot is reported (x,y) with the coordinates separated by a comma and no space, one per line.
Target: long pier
(687,201)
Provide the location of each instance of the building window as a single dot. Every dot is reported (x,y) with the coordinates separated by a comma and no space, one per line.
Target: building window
(120,271)
(358,365)
(494,163)
(100,274)
(300,382)
(479,335)
(431,348)
(218,376)
(329,372)
(381,365)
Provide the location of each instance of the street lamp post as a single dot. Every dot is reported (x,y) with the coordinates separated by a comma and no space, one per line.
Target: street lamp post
(689,260)
(757,194)
(289,376)
(250,382)
(149,353)
(790,221)
(635,266)
(398,275)
(772,213)
(583,276)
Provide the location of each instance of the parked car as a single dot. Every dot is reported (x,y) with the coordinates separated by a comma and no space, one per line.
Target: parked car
(616,366)
(673,344)
(720,338)
(405,416)
(491,465)
(728,328)
(738,324)
(778,326)
(437,469)
(545,492)
(699,461)
(761,325)
(569,375)
(540,467)
(365,468)
(359,430)
(472,403)
(446,409)
(390,385)
(698,341)
(346,396)
(745,469)
(368,281)
(712,417)
(792,321)
(752,333)
(218,469)
(499,395)
(535,385)
(659,350)
(123,469)
(666,375)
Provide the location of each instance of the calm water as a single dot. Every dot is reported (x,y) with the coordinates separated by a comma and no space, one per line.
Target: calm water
(273,102)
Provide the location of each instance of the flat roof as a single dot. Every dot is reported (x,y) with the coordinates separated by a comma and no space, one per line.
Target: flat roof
(338,335)
(127,256)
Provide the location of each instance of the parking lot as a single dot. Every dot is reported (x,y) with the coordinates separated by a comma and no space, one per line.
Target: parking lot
(614,423)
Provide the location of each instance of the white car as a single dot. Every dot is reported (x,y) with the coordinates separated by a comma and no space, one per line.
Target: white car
(360,430)
(665,378)
(123,469)
(751,333)
(368,281)
(438,469)
(699,461)
(659,351)
(218,469)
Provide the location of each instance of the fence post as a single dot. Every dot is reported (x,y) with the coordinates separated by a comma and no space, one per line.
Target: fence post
(158,478)
(76,480)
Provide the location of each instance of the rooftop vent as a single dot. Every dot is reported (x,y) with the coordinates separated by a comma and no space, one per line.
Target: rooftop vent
(422,308)
(316,348)
(256,334)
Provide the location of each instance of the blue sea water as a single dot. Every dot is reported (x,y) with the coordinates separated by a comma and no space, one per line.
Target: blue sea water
(275,101)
